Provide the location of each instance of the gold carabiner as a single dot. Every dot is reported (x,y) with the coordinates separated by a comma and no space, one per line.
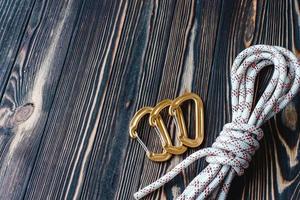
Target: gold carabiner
(158,157)
(175,111)
(155,119)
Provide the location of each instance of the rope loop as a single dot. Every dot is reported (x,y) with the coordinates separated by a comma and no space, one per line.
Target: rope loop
(238,142)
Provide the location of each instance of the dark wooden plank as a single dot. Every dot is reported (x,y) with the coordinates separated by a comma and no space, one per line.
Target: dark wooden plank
(91,64)
(79,102)
(14,16)
(33,80)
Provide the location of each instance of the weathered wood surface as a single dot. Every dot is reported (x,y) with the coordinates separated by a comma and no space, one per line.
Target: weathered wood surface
(73,72)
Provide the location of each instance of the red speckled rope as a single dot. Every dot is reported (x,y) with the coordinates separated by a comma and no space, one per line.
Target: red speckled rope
(231,153)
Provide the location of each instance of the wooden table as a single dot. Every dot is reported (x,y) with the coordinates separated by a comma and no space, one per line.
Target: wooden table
(74,72)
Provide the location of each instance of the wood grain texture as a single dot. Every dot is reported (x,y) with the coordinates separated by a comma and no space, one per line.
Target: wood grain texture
(73,73)
(14,16)
(33,80)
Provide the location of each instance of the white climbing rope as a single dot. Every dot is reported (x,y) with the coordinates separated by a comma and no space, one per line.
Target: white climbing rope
(231,153)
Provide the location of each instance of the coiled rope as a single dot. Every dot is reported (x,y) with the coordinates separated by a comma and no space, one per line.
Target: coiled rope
(231,153)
